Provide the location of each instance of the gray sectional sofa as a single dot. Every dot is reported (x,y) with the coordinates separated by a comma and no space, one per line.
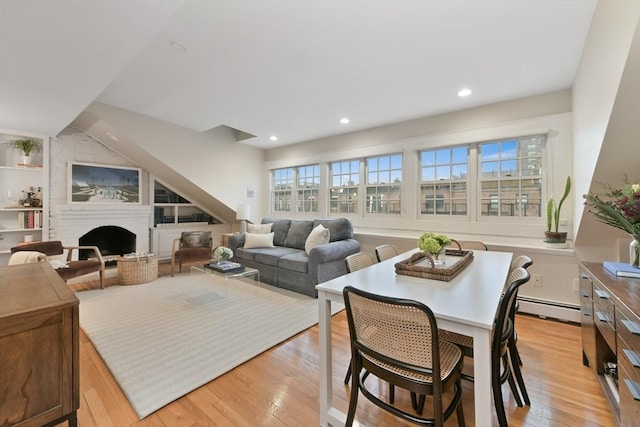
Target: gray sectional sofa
(287,265)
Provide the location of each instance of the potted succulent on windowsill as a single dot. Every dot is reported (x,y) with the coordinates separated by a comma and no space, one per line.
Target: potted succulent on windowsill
(552,235)
(26,146)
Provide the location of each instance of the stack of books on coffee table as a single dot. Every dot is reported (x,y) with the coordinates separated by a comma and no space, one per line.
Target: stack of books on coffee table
(225,267)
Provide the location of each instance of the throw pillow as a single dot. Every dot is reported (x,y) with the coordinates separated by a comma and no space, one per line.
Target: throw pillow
(318,236)
(26,257)
(253,240)
(259,228)
(298,233)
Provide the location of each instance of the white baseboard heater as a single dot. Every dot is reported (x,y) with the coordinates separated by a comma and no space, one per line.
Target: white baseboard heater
(557,310)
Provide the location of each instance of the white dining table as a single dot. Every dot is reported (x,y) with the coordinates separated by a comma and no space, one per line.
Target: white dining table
(467,304)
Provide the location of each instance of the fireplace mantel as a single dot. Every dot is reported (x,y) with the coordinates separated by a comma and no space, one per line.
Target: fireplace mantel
(73,221)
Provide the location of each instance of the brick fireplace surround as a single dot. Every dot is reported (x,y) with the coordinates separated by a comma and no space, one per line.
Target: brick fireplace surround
(74,221)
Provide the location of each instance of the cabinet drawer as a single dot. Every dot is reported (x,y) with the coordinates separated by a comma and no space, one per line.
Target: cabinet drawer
(586,288)
(629,391)
(603,315)
(628,330)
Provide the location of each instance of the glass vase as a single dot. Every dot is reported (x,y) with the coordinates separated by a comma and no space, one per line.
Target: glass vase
(439,258)
(634,251)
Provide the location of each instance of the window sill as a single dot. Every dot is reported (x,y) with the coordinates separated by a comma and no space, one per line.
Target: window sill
(496,243)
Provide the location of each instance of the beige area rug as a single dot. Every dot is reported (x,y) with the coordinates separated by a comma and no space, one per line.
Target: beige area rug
(166,338)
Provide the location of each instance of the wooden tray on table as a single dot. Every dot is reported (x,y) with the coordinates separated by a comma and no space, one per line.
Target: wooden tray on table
(421,264)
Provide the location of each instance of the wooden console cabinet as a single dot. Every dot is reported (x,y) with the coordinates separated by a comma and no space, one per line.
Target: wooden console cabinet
(611,337)
(39,347)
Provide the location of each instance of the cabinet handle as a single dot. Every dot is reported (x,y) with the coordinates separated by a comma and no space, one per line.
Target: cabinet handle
(585,294)
(633,388)
(632,356)
(602,294)
(631,326)
(602,317)
(586,312)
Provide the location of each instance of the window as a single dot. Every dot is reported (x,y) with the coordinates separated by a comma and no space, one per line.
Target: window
(343,190)
(443,181)
(384,179)
(511,177)
(308,185)
(281,195)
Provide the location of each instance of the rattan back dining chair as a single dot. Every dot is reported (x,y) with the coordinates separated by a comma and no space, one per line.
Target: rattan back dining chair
(386,251)
(502,367)
(397,341)
(359,261)
(524,262)
(473,245)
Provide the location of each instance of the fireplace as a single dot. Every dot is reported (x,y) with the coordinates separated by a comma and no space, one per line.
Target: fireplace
(110,239)
(74,222)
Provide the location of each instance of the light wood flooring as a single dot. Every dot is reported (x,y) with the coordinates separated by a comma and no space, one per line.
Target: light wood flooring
(280,387)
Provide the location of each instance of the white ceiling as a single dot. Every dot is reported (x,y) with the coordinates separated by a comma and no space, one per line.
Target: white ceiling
(290,68)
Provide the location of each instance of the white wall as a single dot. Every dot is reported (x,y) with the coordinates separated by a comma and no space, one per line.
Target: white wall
(607,121)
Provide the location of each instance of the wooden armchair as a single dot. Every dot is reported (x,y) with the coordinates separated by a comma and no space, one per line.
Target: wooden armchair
(73,268)
(191,246)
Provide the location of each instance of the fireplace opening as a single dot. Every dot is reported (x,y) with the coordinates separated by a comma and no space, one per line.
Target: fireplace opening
(112,241)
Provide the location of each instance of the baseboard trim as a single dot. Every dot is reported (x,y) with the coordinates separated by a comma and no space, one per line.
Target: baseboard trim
(544,309)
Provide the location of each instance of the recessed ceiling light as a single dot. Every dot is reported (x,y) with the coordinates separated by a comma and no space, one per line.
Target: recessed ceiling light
(273,138)
(344,120)
(464,92)
(178,46)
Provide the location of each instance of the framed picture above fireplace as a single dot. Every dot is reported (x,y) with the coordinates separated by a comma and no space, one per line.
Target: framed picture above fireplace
(103,184)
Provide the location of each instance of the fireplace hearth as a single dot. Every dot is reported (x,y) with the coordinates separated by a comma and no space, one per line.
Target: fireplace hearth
(112,241)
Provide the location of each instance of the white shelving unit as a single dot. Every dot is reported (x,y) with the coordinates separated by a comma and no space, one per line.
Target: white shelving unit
(14,179)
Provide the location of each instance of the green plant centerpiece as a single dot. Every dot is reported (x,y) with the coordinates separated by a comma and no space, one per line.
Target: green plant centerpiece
(620,208)
(222,253)
(434,245)
(552,235)
(26,146)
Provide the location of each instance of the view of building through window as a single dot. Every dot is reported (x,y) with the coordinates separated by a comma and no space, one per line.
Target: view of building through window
(343,190)
(308,185)
(509,178)
(384,179)
(282,185)
(443,181)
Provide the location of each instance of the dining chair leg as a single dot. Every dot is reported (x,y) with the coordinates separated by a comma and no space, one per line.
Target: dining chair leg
(459,409)
(518,374)
(508,373)
(348,376)
(496,386)
(353,403)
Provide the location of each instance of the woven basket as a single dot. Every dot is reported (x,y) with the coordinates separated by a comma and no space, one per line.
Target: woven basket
(134,271)
(421,264)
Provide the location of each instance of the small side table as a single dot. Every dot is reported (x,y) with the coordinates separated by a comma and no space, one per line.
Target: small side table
(134,270)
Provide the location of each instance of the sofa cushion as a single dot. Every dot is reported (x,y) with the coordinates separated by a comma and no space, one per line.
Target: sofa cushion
(298,233)
(298,261)
(253,240)
(272,256)
(318,236)
(339,228)
(280,228)
(259,228)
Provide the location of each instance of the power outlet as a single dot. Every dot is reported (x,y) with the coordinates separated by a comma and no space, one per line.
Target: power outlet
(537,280)
(576,284)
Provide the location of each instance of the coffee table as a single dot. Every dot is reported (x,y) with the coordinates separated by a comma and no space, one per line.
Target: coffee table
(248,272)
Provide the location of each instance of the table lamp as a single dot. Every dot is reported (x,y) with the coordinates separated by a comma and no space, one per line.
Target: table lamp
(243,214)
